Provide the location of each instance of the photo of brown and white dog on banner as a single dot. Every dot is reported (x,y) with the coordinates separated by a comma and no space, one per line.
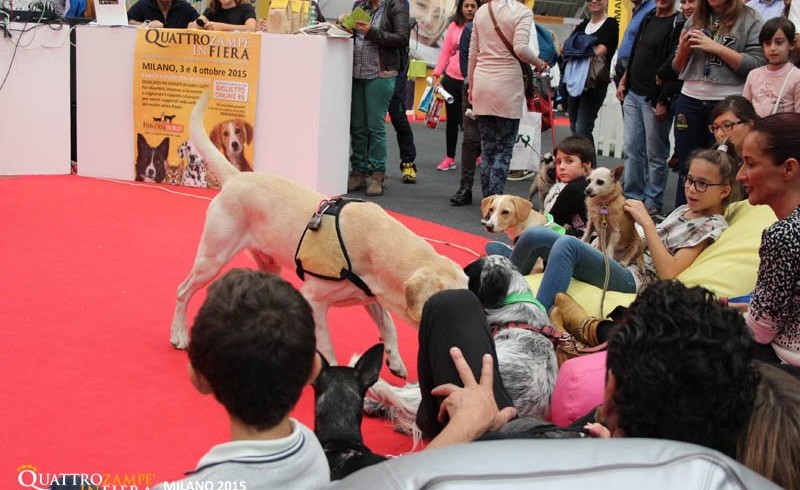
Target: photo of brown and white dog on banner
(268,214)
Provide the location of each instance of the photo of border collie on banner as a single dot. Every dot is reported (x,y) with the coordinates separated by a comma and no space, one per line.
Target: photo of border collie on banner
(172,68)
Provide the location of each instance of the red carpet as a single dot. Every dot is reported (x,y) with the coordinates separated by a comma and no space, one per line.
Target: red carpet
(87,285)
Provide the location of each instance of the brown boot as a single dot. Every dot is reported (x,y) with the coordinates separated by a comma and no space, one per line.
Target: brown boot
(566,348)
(375,187)
(357,181)
(576,321)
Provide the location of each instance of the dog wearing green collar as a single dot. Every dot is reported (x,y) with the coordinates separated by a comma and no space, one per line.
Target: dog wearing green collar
(519,325)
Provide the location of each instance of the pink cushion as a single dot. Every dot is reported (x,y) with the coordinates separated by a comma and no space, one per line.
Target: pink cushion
(579,388)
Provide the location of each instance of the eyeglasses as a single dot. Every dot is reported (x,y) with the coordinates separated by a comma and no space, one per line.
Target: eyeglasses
(699,185)
(590,1)
(725,126)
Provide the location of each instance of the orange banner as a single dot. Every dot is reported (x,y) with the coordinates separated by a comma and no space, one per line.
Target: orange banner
(172,68)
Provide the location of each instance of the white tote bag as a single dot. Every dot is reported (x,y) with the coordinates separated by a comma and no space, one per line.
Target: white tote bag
(528,147)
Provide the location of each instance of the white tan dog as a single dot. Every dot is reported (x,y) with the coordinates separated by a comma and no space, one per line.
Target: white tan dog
(267,214)
(510,215)
(615,228)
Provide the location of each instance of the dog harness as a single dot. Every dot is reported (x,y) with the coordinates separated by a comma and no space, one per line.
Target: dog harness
(322,253)
(548,331)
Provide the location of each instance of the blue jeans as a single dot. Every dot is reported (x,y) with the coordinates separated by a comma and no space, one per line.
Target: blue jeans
(646,149)
(582,111)
(567,257)
(498,135)
(397,113)
(692,117)
(370,100)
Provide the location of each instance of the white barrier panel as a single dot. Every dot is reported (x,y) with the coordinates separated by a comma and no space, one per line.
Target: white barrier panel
(302,118)
(34,103)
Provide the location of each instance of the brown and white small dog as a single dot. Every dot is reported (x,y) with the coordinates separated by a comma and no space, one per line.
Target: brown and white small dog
(230,137)
(615,227)
(511,215)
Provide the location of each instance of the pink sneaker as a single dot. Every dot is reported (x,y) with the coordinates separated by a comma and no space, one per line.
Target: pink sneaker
(447,164)
(478,160)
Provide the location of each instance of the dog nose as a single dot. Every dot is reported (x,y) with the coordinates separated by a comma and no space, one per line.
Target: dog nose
(235,145)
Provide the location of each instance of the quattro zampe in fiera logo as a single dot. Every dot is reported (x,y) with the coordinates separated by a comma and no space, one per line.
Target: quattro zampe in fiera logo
(29,476)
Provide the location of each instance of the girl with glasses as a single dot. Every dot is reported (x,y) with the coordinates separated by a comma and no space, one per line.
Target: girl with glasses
(672,245)
(732,118)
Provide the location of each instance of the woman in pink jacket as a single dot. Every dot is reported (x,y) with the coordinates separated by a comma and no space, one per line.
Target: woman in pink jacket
(452,80)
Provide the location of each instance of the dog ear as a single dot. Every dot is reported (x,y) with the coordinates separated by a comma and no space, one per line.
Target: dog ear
(248,131)
(522,208)
(216,135)
(473,272)
(368,367)
(423,284)
(617,172)
(163,148)
(141,142)
(494,286)
(486,203)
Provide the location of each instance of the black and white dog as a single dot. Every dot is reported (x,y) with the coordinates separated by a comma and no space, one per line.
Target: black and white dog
(527,358)
(339,395)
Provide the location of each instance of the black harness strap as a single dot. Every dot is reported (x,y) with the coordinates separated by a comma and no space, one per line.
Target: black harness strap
(331,207)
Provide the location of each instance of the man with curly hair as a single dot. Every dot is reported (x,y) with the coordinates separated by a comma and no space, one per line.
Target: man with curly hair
(678,368)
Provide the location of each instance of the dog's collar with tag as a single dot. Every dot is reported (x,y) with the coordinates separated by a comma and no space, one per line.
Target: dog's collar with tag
(523,297)
(604,209)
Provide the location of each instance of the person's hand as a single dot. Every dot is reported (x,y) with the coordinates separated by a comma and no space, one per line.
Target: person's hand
(362,27)
(697,39)
(469,95)
(156,24)
(683,42)
(638,212)
(210,26)
(472,410)
(543,67)
(661,110)
(621,92)
(261,25)
(598,431)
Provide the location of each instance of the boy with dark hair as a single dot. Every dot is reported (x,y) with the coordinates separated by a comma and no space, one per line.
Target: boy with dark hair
(253,347)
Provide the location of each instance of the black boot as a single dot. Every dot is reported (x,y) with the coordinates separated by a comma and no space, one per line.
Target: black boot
(462,197)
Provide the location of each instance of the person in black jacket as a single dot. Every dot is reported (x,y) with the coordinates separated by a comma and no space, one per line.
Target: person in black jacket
(380,50)
(646,106)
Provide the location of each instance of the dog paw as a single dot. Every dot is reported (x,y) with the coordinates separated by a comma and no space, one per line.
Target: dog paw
(180,342)
(398,369)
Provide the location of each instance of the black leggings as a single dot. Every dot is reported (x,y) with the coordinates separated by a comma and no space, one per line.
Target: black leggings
(454,112)
(452,318)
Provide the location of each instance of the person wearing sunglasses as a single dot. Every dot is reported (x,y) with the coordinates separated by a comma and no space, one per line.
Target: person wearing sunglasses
(717,49)
(732,118)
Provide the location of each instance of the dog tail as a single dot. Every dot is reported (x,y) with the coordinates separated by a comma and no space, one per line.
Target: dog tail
(398,404)
(215,160)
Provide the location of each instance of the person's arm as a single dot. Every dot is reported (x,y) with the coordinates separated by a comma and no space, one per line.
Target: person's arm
(521,41)
(667,266)
(447,49)
(742,62)
(570,201)
(398,37)
(776,286)
(473,59)
(607,38)
(747,90)
(471,409)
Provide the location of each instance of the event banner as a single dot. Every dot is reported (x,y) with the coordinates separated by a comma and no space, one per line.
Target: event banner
(172,67)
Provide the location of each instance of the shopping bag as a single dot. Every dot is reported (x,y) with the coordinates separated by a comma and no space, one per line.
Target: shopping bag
(425,100)
(528,146)
(434,112)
